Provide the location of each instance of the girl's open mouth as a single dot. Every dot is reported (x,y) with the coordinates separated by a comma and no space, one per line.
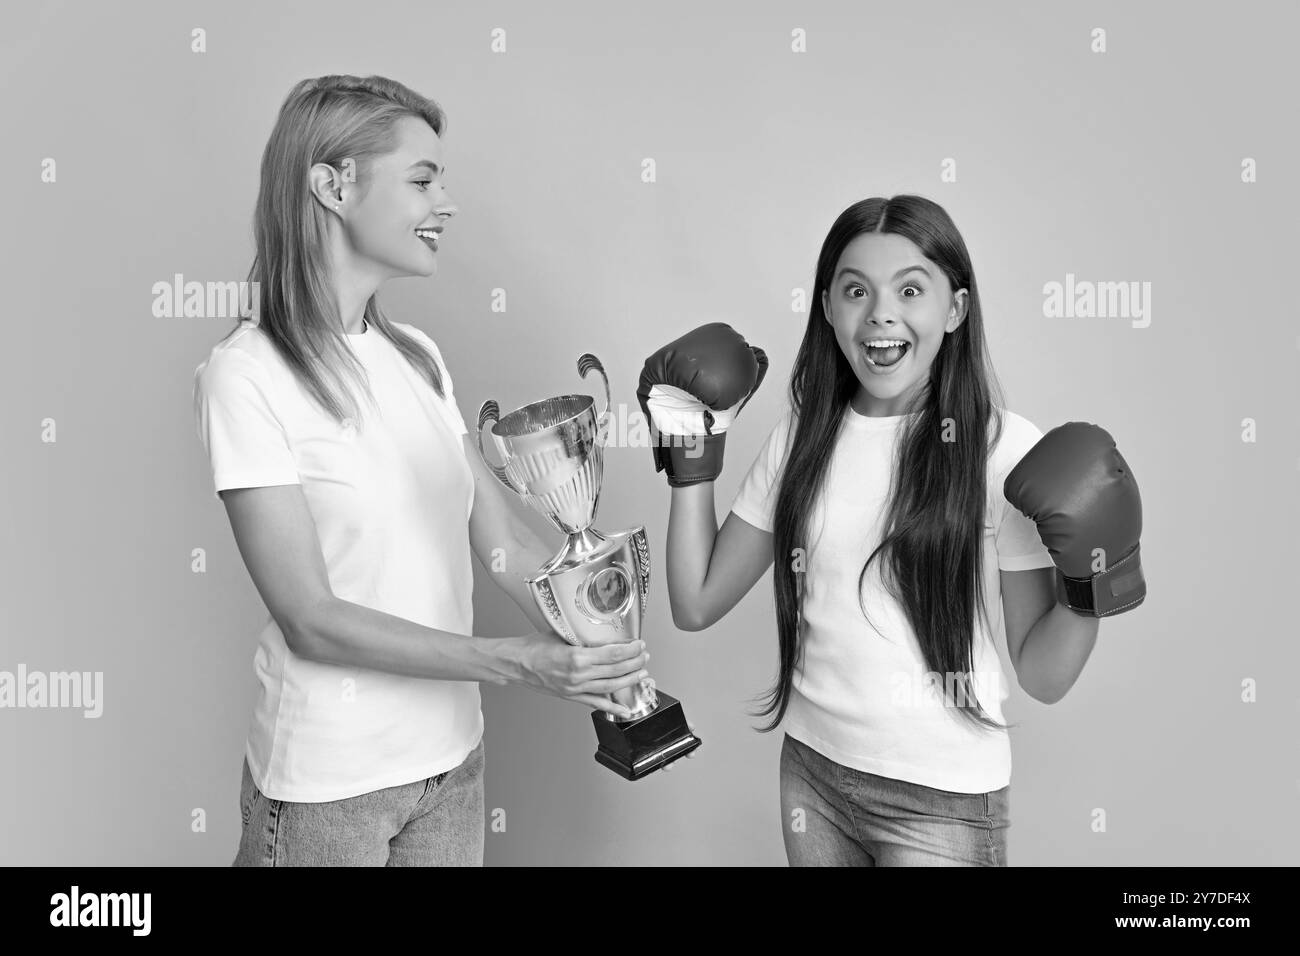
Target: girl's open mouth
(885,353)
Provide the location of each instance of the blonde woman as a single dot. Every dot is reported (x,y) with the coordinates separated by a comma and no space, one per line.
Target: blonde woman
(356,499)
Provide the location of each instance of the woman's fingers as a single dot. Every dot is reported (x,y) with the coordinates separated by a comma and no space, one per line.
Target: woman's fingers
(609,685)
(585,672)
(691,727)
(689,756)
(602,704)
(615,671)
(611,653)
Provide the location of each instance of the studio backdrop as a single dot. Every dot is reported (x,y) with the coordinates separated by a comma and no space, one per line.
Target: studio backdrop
(625,173)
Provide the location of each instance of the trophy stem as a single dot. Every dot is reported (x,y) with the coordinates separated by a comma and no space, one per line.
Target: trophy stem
(641,700)
(583,542)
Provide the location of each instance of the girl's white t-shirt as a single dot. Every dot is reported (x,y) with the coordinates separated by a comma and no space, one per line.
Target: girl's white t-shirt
(391,504)
(862,695)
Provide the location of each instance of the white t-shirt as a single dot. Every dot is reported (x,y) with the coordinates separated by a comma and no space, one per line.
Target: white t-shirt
(861,696)
(391,504)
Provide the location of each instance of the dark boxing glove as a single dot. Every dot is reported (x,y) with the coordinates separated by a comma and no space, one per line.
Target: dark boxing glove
(1075,485)
(690,392)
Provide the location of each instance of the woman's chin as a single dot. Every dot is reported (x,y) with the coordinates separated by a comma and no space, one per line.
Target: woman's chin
(424,268)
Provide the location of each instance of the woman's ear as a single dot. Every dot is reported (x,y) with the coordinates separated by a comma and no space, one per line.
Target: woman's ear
(327,186)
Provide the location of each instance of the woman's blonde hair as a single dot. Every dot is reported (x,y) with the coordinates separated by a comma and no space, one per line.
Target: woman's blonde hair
(347,122)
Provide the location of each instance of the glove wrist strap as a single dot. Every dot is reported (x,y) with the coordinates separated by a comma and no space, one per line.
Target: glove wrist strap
(1119,588)
(690,459)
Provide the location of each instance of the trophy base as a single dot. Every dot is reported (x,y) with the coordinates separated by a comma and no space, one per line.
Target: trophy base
(635,748)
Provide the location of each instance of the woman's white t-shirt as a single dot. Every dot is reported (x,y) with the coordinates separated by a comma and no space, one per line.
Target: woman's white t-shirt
(391,503)
(862,696)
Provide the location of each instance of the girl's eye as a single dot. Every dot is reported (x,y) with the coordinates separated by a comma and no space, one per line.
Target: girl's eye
(851,288)
(423,183)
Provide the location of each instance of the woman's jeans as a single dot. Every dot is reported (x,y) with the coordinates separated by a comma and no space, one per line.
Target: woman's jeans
(833,815)
(437,821)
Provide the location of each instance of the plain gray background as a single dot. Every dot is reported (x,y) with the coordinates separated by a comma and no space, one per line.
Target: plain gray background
(1115,166)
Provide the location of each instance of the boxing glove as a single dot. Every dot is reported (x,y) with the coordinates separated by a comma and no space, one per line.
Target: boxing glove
(690,392)
(1080,492)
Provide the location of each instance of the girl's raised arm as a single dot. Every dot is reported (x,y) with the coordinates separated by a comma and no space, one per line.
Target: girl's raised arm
(709,571)
(691,390)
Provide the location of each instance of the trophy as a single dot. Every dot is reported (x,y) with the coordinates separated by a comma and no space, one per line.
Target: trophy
(593,592)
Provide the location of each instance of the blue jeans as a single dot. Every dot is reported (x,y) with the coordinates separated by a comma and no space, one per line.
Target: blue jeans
(833,815)
(437,821)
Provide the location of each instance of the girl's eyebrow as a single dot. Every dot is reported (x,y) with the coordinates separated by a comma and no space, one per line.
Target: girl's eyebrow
(427,164)
(900,272)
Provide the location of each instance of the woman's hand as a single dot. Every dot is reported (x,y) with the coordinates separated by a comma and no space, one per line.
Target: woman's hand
(584,675)
(690,756)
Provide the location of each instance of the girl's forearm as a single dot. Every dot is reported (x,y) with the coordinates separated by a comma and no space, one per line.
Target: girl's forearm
(1054,653)
(692,530)
(353,635)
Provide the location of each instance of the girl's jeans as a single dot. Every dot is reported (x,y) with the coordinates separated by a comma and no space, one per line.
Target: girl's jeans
(833,815)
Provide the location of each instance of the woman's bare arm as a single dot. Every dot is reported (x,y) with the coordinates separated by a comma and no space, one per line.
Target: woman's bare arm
(505,546)
(277,538)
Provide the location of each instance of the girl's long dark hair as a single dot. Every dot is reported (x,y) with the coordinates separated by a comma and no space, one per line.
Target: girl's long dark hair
(932,547)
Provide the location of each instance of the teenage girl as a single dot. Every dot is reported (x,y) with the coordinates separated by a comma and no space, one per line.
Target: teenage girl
(356,525)
(910,522)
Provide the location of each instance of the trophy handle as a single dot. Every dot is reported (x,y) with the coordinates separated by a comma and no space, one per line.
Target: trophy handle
(586,362)
(490,412)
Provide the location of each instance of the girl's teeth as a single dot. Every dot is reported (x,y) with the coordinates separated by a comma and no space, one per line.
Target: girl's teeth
(885,353)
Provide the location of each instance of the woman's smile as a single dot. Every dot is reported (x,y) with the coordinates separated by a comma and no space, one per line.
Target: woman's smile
(429,237)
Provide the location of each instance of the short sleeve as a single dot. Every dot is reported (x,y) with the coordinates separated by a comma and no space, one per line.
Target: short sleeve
(246,443)
(1018,544)
(756,499)
(454,417)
